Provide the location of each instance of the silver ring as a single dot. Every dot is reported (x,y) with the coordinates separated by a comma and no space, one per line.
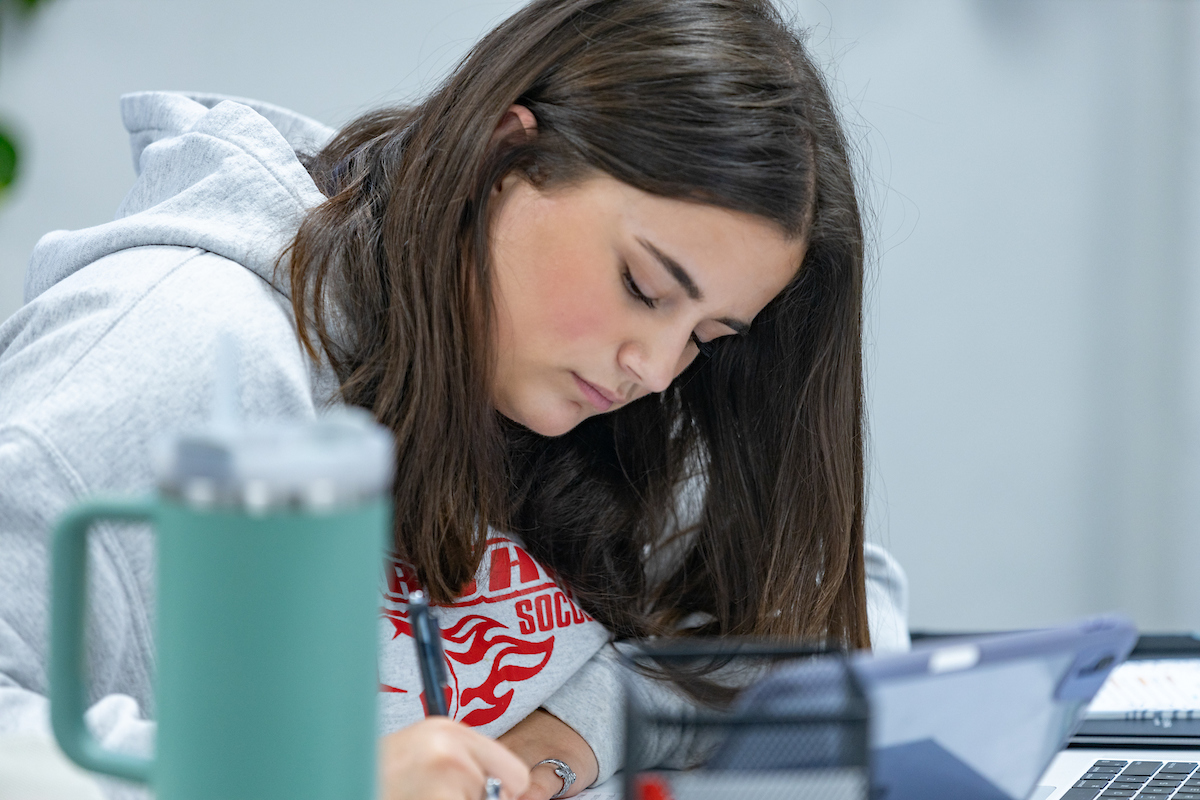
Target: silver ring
(491,789)
(562,771)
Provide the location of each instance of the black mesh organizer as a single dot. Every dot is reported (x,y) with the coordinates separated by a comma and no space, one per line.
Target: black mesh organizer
(788,722)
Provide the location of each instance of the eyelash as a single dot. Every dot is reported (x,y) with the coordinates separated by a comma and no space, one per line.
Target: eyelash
(705,348)
(632,287)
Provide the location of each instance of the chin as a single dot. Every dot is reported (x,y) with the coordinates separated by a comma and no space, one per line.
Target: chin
(549,422)
(551,428)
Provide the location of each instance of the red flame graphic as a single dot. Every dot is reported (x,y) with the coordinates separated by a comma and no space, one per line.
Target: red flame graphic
(469,642)
(480,635)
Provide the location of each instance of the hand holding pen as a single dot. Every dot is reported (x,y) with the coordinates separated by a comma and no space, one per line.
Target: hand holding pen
(438,757)
(438,752)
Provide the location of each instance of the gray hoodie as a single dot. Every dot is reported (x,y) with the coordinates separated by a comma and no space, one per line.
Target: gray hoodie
(114,349)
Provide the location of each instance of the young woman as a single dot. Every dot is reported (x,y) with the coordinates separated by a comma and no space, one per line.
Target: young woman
(604,285)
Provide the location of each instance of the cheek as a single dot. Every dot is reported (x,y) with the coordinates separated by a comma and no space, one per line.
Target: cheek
(575,305)
(576,319)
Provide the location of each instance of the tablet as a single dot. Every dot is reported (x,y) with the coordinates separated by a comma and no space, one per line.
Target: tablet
(978,717)
(983,717)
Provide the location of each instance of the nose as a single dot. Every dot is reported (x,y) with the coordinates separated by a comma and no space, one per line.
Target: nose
(655,361)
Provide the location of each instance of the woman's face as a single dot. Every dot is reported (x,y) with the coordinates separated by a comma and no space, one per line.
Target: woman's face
(602,292)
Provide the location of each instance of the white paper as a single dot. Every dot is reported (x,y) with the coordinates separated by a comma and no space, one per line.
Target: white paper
(609,790)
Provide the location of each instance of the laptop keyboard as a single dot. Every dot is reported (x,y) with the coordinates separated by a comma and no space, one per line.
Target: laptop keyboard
(1139,779)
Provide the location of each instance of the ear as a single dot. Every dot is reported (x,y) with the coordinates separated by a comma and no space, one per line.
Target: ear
(516,118)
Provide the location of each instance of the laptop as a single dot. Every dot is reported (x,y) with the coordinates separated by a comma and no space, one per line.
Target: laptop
(1152,700)
(1090,773)
(1141,734)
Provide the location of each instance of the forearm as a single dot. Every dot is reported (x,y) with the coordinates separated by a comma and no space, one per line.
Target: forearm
(542,736)
(592,703)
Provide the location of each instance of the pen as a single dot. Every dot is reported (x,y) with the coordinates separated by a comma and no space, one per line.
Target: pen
(428,638)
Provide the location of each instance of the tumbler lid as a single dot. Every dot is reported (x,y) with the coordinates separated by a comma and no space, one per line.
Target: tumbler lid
(340,459)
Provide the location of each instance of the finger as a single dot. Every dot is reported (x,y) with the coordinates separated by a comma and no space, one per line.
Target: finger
(430,759)
(498,761)
(542,786)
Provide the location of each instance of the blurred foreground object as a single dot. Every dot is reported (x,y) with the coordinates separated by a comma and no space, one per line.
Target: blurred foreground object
(33,768)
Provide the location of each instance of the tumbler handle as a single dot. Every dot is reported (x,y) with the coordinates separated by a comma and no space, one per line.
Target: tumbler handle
(68,692)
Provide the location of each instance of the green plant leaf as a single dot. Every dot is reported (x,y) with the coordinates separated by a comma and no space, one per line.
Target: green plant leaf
(8,160)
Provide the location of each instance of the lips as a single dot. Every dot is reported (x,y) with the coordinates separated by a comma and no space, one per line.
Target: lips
(599,399)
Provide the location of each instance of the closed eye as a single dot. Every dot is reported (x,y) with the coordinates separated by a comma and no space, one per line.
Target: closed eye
(705,349)
(633,289)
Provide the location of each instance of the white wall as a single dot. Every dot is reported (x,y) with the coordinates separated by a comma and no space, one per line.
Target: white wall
(1034,375)
(1033,347)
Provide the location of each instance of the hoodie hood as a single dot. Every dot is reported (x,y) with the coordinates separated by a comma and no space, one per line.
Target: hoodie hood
(216,173)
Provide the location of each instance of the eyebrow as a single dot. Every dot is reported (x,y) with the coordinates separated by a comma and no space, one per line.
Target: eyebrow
(690,288)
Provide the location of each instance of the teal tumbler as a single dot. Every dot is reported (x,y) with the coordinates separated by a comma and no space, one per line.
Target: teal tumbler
(270,544)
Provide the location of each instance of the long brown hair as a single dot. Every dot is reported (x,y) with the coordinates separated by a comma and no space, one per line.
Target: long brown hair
(712,101)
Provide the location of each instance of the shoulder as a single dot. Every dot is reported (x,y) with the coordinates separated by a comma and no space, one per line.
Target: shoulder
(123,351)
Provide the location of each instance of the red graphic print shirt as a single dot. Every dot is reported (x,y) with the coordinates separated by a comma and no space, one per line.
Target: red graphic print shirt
(511,640)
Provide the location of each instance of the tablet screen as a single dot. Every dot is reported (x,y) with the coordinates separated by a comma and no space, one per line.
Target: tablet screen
(994,719)
(983,717)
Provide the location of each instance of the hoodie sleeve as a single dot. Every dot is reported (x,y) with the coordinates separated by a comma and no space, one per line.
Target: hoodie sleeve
(589,701)
(887,601)
(34,487)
